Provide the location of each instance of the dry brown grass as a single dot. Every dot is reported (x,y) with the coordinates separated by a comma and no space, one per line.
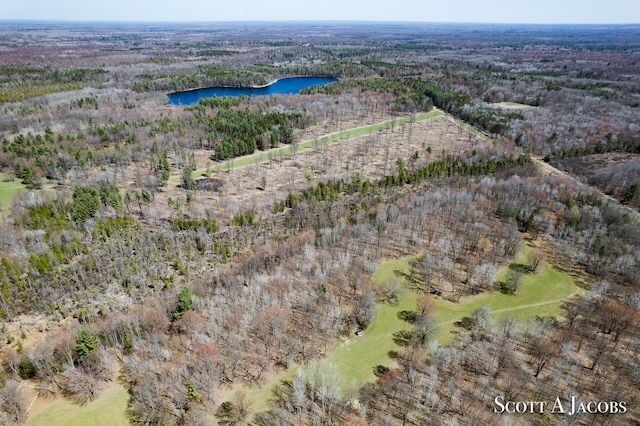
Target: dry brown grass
(257,186)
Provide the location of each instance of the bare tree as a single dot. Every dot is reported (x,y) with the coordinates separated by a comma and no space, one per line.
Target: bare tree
(541,351)
(12,406)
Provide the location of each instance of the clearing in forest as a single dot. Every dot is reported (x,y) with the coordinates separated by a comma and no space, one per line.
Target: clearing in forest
(109,409)
(355,356)
(8,189)
(254,182)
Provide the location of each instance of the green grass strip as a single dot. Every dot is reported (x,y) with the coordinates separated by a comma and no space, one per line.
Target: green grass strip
(263,156)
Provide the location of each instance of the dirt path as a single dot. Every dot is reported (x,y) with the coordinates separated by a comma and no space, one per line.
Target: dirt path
(578,292)
(550,170)
(530,305)
(517,308)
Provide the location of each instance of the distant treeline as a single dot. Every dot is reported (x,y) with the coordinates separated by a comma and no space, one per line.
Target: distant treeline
(206,76)
(18,84)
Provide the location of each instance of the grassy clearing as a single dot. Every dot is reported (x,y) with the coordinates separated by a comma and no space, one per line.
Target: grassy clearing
(541,295)
(107,410)
(355,357)
(260,157)
(8,189)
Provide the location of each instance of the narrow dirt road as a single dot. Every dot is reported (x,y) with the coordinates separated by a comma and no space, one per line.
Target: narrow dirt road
(548,169)
(517,308)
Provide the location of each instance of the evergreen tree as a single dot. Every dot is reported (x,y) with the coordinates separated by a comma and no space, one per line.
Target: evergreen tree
(185,302)
(86,342)
(188,182)
(85,203)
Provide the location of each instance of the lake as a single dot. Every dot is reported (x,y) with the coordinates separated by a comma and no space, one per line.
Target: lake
(284,86)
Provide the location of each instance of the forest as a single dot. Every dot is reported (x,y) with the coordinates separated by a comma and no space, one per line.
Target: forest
(465,198)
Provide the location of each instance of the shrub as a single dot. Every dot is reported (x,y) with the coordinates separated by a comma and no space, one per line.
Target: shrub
(191,390)
(26,369)
(380,370)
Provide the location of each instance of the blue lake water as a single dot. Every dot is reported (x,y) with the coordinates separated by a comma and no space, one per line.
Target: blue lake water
(284,86)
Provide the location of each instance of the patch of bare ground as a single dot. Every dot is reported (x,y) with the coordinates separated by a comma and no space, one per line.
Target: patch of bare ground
(31,330)
(257,186)
(513,106)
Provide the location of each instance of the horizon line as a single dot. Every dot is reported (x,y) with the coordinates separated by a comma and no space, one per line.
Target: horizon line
(306,21)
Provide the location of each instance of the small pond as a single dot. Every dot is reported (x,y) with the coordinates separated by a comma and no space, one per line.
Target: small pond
(284,86)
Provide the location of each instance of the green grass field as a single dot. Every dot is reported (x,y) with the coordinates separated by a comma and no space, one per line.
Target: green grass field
(107,410)
(541,295)
(8,190)
(357,356)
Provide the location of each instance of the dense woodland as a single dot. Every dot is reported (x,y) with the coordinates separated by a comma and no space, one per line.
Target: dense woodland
(117,265)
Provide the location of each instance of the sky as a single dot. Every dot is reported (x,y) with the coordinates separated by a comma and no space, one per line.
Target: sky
(486,11)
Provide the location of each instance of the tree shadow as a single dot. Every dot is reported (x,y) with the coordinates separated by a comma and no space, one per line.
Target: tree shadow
(402,337)
(408,316)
